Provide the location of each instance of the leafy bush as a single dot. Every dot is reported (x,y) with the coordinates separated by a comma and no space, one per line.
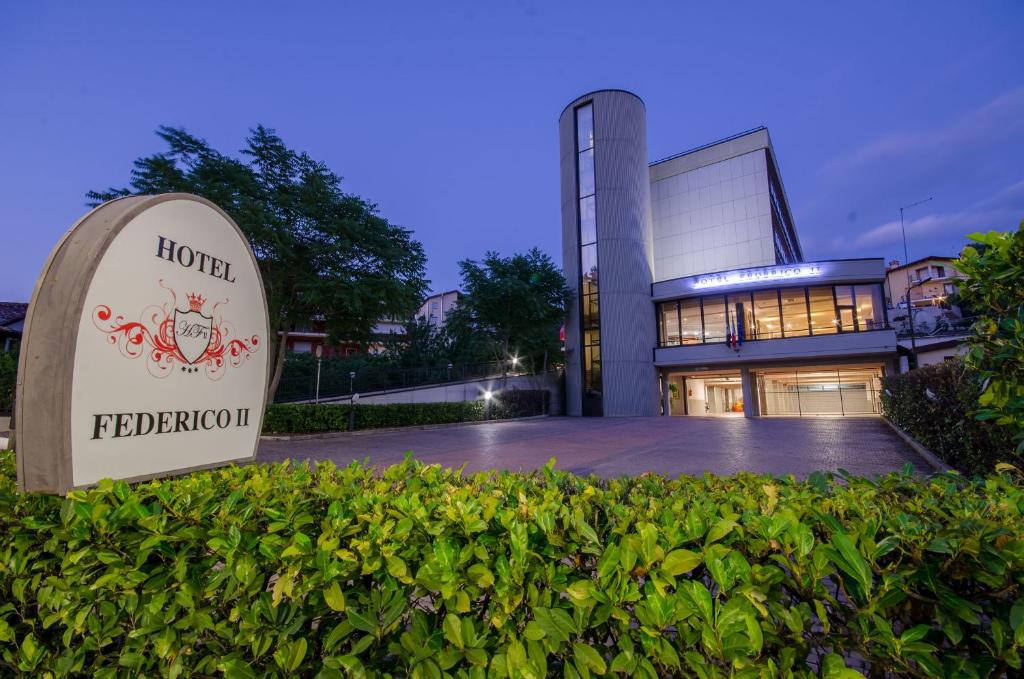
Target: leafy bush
(994,289)
(307,418)
(934,404)
(8,378)
(413,570)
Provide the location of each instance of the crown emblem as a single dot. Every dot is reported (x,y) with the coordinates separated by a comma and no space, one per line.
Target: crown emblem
(195,302)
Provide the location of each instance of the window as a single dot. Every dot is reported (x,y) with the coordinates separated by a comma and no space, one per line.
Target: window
(922,273)
(794,312)
(869,307)
(692,328)
(845,310)
(767,317)
(741,317)
(940,272)
(302,347)
(590,306)
(670,324)
(588,221)
(714,319)
(823,310)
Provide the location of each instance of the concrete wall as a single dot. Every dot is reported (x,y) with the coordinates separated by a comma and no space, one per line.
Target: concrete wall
(466,391)
(624,252)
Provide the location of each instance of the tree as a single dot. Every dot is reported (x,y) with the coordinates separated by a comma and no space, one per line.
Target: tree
(516,304)
(994,289)
(322,253)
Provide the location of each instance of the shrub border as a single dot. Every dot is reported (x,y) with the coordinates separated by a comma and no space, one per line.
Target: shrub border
(931,458)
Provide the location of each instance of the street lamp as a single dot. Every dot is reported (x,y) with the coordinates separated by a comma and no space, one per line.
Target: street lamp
(488,395)
(906,262)
(351,379)
(449,372)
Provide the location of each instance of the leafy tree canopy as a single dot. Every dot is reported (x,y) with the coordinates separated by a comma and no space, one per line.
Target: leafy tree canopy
(323,253)
(515,304)
(994,289)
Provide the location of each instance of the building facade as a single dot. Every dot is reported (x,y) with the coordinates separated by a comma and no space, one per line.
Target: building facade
(930,280)
(692,293)
(436,308)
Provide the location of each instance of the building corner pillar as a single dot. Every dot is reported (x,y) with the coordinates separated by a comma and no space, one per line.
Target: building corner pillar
(666,393)
(747,387)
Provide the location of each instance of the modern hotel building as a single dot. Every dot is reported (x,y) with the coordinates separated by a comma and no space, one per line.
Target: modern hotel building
(693,296)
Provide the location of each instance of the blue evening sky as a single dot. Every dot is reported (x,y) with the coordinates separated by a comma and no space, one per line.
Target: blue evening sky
(444,113)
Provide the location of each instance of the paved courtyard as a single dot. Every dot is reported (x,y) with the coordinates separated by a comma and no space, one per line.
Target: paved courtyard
(611,447)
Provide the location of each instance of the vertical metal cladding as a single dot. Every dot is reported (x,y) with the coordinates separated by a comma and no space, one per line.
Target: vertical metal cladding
(625,254)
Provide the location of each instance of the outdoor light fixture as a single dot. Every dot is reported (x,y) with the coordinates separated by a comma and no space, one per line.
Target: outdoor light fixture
(488,395)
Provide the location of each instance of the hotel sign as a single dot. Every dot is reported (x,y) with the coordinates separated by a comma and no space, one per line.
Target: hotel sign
(144,347)
(763,274)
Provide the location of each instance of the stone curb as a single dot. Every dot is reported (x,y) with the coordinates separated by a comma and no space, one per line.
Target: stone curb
(412,427)
(929,457)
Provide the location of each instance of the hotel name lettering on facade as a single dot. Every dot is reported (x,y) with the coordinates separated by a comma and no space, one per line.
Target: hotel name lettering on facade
(759,275)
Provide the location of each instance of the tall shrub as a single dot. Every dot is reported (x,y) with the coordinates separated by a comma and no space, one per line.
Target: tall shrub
(934,405)
(995,290)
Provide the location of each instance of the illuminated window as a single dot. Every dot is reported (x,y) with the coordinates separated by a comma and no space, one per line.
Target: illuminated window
(590,307)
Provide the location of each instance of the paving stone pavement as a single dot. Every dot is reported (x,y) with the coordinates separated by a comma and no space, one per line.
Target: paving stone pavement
(612,447)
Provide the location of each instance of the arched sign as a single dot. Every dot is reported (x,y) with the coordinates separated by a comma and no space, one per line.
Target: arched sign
(144,350)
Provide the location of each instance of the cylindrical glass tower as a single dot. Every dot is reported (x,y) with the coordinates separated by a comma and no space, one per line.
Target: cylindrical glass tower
(607,255)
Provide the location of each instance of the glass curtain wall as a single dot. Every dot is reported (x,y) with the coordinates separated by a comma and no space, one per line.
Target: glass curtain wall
(773,313)
(590,307)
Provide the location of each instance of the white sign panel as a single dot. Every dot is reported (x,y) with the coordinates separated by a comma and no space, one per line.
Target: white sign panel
(168,363)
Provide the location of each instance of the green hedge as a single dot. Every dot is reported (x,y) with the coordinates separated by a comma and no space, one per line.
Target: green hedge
(8,379)
(413,570)
(934,404)
(307,418)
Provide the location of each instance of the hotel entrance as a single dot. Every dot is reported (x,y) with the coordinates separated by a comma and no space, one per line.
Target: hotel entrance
(707,394)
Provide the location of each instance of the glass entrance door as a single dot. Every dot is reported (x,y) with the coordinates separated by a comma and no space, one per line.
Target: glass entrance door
(720,394)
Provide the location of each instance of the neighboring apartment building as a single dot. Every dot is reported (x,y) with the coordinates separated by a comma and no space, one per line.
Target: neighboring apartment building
(306,340)
(931,281)
(437,307)
(693,296)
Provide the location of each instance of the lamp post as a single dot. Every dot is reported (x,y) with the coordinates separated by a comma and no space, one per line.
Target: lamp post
(488,395)
(351,379)
(449,372)
(906,262)
(319,355)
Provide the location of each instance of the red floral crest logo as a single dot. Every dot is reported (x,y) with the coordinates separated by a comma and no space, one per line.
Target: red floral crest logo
(170,337)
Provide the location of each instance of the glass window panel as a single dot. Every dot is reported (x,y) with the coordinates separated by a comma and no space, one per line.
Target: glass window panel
(592,337)
(714,319)
(794,312)
(767,320)
(740,315)
(844,295)
(869,307)
(669,324)
(823,311)
(588,221)
(691,330)
(588,266)
(586,173)
(585,127)
(591,312)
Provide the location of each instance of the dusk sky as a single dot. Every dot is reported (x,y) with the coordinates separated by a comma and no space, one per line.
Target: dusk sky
(444,114)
